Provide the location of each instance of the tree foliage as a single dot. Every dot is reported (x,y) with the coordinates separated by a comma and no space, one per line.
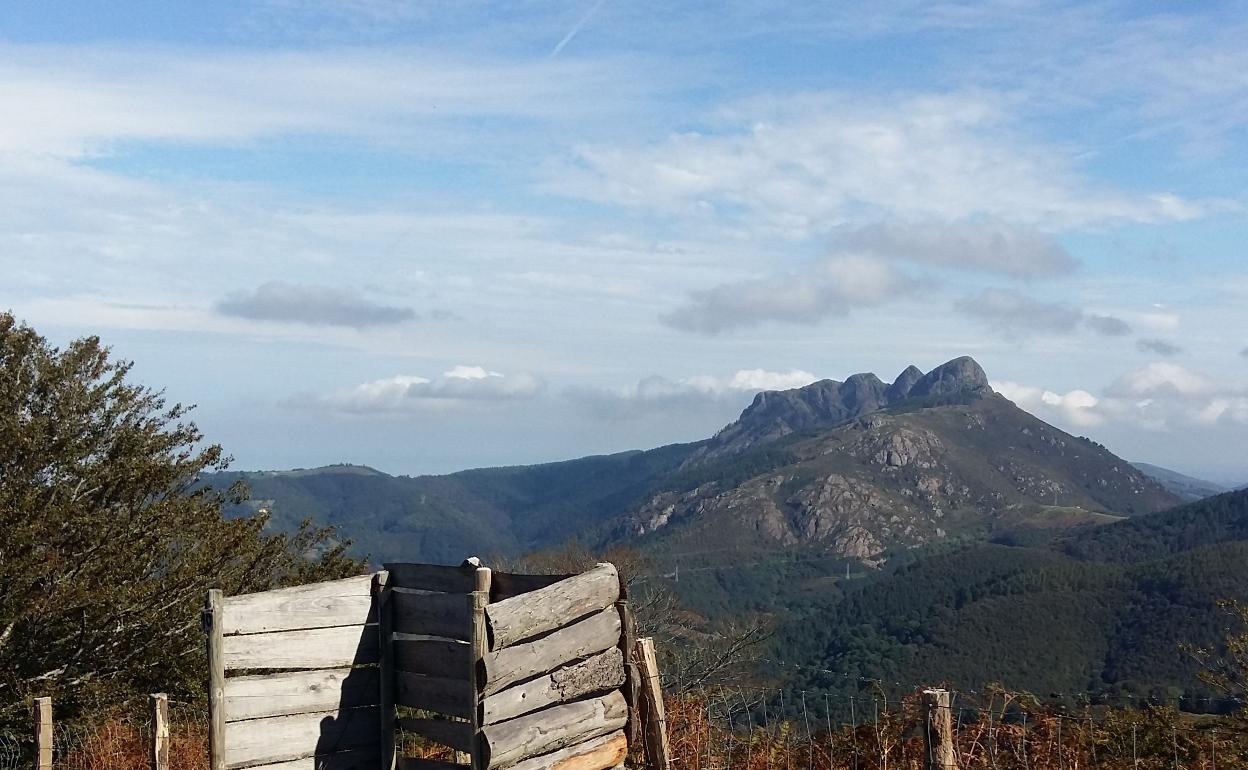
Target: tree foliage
(109,539)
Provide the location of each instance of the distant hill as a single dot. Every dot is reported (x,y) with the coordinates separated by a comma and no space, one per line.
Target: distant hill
(1186,488)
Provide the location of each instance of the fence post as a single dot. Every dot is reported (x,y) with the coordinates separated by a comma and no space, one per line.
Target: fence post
(381,599)
(654,714)
(480,646)
(216,681)
(632,680)
(941,751)
(158,704)
(42,713)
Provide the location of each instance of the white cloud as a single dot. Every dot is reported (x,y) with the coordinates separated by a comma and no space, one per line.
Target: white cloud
(456,387)
(1017,315)
(1162,379)
(659,394)
(1076,407)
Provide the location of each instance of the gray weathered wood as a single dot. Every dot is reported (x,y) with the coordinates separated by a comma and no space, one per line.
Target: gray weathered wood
(941,749)
(432,577)
(509,584)
(216,681)
(457,735)
(158,713)
(632,676)
(654,713)
(42,718)
(278,739)
(444,615)
(601,753)
(385,685)
(602,672)
(453,697)
(361,759)
(554,728)
(432,657)
(420,763)
(545,609)
(300,692)
(307,648)
(528,659)
(480,645)
(345,602)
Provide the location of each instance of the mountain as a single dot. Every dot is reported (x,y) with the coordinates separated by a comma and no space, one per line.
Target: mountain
(1186,488)
(852,469)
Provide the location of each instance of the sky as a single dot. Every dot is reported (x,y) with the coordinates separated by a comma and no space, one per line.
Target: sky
(427,236)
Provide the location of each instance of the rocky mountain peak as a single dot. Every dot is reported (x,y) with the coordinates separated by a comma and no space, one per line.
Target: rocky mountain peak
(961,375)
(901,386)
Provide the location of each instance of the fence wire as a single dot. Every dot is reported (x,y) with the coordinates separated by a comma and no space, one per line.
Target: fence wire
(120,741)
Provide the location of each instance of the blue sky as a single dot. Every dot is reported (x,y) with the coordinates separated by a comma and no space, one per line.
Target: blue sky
(434,235)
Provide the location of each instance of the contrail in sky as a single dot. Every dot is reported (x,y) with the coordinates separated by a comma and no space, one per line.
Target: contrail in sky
(576,28)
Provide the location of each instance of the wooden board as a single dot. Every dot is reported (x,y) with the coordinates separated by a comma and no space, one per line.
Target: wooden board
(279,739)
(654,713)
(529,659)
(457,735)
(433,577)
(553,729)
(546,609)
(600,753)
(447,615)
(453,697)
(602,672)
(432,657)
(300,692)
(347,602)
(307,648)
(363,759)
(506,584)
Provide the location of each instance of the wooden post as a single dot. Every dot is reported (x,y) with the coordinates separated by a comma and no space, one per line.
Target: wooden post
(216,680)
(941,750)
(654,714)
(42,713)
(158,706)
(381,600)
(477,601)
(632,680)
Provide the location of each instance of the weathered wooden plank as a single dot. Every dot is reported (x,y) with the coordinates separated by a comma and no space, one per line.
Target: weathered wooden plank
(158,711)
(602,672)
(432,614)
(432,577)
(632,675)
(385,671)
(216,680)
(432,657)
(508,584)
(362,759)
(554,728)
(300,692)
(453,697)
(346,602)
(420,763)
(600,753)
(654,713)
(479,640)
(279,739)
(306,648)
(545,609)
(523,661)
(457,735)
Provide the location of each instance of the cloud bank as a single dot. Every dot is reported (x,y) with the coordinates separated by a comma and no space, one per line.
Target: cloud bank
(311,305)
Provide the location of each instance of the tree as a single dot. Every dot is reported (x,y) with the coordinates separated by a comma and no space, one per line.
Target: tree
(109,537)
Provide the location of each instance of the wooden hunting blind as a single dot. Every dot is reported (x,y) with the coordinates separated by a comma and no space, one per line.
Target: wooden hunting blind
(498,670)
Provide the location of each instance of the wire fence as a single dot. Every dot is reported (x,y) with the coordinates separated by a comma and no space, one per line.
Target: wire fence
(119,740)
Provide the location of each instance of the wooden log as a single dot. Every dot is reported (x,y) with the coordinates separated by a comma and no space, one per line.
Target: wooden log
(433,657)
(554,728)
(41,713)
(602,672)
(347,602)
(453,697)
(385,669)
(279,739)
(632,676)
(306,648)
(941,749)
(362,759)
(420,763)
(445,615)
(300,692)
(509,584)
(216,681)
(457,735)
(546,609)
(432,577)
(479,642)
(654,714)
(523,661)
(158,712)
(600,753)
